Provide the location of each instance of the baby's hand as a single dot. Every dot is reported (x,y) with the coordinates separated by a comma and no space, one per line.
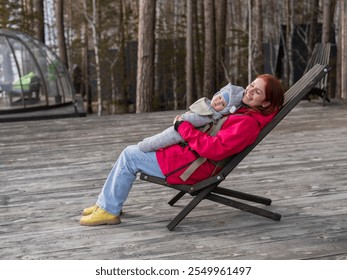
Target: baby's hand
(177,118)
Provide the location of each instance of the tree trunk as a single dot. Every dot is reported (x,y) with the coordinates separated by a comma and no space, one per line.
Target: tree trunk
(326,22)
(189,54)
(343,19)
(59,9)
(328,11)
(259,49)
(39,20)
(96,41)
(210,47)
(197,52)
(312,39)
(289,67)
(221,8)
(85,88)
(174,59)
(250,36)
(119,98)
(145,56)
(236,63)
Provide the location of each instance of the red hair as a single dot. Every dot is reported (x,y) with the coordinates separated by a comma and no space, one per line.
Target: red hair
(274,93)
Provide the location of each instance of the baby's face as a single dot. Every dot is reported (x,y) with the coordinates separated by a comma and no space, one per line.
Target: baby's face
(218,102)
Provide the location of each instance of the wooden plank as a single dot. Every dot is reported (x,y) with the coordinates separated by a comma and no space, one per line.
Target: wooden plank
(51,169)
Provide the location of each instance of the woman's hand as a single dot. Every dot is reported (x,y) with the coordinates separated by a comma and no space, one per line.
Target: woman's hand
(177,121)
(177,118)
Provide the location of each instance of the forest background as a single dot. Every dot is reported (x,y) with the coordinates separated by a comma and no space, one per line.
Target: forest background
(145,55)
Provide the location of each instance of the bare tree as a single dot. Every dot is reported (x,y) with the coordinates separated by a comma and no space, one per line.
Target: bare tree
(96,41)
(210,49)
(328,12)
(314,4)
(94,23)
(38,20)
(289,43)
(27,16)
(342,49)
(179,9)
(120,100)
(59,13)
(119,96)
(326,21)
(221,12)
(236,62)
(145,56)
(250,36)
(259,49)
(85,88)
(189,54)
(198,23)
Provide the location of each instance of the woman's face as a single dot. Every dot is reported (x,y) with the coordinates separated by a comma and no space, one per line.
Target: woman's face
(255,94)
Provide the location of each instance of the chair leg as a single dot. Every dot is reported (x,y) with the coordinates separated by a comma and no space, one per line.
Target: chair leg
(244,196)
(244,207)
(176,198)
(190,206)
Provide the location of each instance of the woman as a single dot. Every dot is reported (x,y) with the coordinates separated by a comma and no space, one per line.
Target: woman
(261,101)
(202,112)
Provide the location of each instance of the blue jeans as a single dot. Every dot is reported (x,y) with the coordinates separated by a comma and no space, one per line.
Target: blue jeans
(120,180)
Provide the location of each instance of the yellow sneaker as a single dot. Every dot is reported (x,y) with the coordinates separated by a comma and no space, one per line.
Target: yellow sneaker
(91,209)
(99,217)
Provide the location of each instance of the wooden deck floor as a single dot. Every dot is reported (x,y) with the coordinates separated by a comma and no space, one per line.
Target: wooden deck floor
(51,169)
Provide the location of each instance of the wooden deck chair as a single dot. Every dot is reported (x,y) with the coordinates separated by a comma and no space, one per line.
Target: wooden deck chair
(320,55)
(209,189)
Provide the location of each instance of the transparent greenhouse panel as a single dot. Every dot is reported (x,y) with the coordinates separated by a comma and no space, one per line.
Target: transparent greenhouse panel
(6,72)
(56,73)
(20,85)
(27,86)
(31,75)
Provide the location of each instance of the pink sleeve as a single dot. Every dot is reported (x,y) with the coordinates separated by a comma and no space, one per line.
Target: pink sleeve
(237,133)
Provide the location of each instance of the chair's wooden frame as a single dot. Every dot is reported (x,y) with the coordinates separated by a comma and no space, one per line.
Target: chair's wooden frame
(209,189)
(320,55)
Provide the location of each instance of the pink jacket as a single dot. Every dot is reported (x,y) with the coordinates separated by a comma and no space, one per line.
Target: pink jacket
(238,131)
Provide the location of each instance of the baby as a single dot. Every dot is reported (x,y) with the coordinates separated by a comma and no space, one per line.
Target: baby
(227,100)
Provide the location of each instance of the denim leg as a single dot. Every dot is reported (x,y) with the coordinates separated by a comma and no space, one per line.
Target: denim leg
(120,180)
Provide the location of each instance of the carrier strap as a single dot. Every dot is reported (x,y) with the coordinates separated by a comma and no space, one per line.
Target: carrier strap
(200,160)
(194,166)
